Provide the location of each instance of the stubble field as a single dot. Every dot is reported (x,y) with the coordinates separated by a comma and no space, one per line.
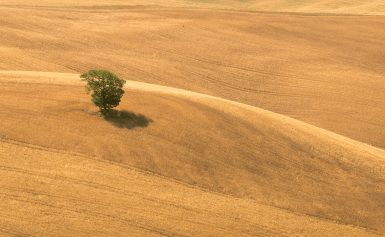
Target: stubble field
(234,123)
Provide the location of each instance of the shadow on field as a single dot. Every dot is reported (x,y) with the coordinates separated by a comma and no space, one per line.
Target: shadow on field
(126,119)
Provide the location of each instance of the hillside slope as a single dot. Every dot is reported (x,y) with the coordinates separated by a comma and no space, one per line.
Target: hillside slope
(208,142)
(325,70)
(52,193)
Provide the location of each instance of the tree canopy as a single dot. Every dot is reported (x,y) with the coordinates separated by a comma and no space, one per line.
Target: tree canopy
(106,88)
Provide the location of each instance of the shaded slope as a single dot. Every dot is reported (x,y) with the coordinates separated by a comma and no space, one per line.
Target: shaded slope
(54,193)
(325,70)
(208,142)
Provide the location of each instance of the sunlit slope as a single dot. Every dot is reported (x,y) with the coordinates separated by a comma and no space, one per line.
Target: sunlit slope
(363,7)
(215,144)
(325,70)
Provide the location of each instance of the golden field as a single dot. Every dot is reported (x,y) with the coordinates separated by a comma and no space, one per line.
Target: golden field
(235,122)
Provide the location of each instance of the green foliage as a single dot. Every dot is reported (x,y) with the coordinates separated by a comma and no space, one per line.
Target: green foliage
(107,89)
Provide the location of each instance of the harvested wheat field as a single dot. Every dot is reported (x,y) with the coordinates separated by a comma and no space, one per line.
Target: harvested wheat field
(240,118)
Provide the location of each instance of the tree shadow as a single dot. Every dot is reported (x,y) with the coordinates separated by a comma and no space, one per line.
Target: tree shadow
(126,119)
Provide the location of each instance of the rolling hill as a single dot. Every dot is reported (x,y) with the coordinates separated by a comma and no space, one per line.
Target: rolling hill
(323,70)
(240,118)
(210,144)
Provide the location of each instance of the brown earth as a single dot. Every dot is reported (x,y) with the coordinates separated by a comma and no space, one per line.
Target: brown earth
(325,70)
(360,7)
(176,162)
(191,140)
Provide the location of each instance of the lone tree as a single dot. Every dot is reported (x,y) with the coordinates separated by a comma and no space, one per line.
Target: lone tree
(106,88)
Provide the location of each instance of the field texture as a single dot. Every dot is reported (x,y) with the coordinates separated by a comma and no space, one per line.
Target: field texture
(235,122)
